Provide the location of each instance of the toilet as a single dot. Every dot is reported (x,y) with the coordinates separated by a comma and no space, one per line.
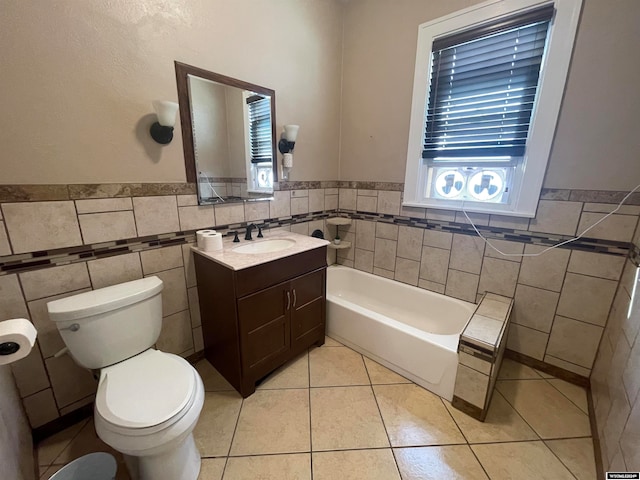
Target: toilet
(148,401)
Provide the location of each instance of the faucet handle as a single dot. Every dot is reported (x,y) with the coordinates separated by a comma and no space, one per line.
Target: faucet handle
(235,237)
(260,231)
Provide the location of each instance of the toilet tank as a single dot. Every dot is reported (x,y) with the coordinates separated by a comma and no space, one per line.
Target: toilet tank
(111,324)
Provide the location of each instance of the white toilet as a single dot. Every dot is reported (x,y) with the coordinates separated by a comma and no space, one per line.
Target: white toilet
(148,401)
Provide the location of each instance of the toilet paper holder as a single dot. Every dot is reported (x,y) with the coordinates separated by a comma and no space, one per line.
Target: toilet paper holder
(9,348)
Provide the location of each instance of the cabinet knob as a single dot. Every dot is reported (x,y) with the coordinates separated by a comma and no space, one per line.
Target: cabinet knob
(288,300)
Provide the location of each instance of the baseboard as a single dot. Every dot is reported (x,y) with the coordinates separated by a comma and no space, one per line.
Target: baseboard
(557,372)
(60,423)
(593,423)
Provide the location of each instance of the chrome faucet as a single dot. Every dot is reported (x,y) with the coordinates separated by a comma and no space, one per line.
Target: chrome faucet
(247,235)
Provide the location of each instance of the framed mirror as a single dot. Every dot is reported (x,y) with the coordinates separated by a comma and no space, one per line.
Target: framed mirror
(228,134)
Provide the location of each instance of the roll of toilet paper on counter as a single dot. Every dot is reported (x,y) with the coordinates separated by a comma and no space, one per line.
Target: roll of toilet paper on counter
(199,235)
(17,338)
(212,242)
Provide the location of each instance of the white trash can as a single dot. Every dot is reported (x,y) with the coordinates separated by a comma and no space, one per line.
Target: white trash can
(94,466)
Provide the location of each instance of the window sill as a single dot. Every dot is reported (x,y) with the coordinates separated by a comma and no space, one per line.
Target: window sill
(493,209)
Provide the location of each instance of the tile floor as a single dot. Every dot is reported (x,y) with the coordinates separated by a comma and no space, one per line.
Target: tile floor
(333,414)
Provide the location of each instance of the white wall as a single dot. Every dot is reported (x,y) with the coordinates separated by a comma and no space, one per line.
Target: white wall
(78,79)
(595,147)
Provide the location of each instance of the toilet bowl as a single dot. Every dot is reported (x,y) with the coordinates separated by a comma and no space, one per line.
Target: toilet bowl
(148,402)
(155,430)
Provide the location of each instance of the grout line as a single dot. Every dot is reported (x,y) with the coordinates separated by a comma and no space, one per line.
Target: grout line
(86,420)
(384,425)
(310,422)
(517,412)
(564,395)
(560,460)
(235,429)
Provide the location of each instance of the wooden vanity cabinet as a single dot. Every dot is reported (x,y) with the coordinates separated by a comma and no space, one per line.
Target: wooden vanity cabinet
(256,319)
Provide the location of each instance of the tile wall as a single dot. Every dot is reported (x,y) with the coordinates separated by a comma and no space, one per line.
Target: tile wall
(59,240)
(615,381)
(562,298)
(124,238)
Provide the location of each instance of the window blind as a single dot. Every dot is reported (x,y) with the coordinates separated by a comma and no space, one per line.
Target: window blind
(260,128)
(483,88)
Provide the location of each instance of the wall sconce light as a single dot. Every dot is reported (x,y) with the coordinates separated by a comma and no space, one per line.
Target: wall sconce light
(285,145)
(162,130)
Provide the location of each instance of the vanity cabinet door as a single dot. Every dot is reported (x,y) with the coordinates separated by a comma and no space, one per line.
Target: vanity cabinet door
(308,307)
(264,330)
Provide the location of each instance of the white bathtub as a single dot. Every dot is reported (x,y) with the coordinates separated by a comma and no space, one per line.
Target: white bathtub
(412,331)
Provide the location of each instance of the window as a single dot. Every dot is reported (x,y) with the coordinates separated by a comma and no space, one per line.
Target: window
(260,142)
(487,92)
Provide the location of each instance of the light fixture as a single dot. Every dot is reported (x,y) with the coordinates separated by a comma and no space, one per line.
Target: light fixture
(285,145)
(162,130)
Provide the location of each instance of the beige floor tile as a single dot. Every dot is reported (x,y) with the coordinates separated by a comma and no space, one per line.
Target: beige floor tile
(48,449)
(295,374)
(212,468)
(214,431)
(543,407)
(355,465)
(85,442)
(415,417)
(576,394)
(330,342)
(453,462)
(521,460)
(503,424)
(381,375)
(345,417)
(213,381)
(269,467)
(511,370)
(337,366)
(577,455)
(273,421)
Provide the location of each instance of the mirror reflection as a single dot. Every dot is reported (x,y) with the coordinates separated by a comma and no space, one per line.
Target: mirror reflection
(228,129)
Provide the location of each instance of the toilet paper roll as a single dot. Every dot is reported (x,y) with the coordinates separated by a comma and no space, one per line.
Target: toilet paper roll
(212,242)
(199,235)
(287,160)
(17,338)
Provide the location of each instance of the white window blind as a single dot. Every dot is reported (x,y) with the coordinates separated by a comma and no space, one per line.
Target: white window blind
(260,128)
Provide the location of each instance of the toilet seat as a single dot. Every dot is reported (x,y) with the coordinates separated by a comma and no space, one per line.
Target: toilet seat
(162,384)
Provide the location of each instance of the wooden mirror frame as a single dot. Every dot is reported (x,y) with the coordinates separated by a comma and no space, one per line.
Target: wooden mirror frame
(186,122)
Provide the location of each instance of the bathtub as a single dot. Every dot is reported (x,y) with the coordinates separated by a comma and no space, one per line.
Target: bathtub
(412,331)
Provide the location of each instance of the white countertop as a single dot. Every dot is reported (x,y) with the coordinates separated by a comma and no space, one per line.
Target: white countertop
(239,261)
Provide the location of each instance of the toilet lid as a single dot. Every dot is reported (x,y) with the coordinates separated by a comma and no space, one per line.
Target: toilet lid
(145,390)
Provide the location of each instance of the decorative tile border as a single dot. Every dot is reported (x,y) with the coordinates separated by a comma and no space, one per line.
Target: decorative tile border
(42,193)
(586,244)
(43,259)
(62,256)
(39,193)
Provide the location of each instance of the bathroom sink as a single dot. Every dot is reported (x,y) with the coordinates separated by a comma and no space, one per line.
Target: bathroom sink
(266,246)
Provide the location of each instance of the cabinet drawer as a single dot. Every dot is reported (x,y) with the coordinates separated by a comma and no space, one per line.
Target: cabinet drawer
(256,278)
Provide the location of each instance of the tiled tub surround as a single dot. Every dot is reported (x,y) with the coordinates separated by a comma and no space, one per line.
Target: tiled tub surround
(433,249)
(562,298)
(480,352)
